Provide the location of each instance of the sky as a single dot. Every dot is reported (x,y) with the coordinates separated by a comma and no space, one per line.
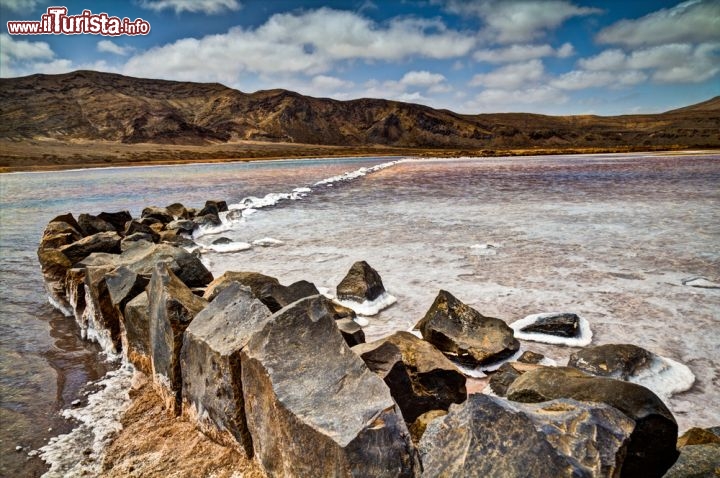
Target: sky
(559,57)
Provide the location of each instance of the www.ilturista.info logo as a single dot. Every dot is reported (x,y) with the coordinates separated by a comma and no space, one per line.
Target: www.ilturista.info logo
(57,22)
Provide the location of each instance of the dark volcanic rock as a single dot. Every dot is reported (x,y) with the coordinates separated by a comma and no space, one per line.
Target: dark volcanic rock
(159,213)
(100,242)
(90,225)
(530,357)
(123,285)
(210,363)
(178,210)
(133,227)
(117,219)
(207,220)
(222,240)
(221,206)
(697,461)
(181,225)
(209,208)
(651,450)
(260,284)
(136,339)
(278,296)
(127,241)
(319,414)
(417,429)
(488,436)
(142,257)
(502,378)
(464,333)
(562,325)
(419,376)
(351,331)
(361,283)
(619,361)
(172,308)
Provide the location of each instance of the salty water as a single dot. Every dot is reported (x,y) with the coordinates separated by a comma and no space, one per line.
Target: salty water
(609,237)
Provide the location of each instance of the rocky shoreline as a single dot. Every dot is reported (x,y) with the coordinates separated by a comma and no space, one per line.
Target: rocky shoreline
(282,376)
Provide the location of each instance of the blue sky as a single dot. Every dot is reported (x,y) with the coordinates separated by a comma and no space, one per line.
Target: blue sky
(474,56)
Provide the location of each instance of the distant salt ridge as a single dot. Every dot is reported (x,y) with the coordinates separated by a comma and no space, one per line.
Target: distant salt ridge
(238,212)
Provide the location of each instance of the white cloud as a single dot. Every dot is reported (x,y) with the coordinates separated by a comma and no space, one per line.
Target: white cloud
(672,63)
(108,46)
(500,101)
(520,20)
(19,6)
(510,76)
(582,79)
(309,42)
(422,78)
(327,83)
(516,53)
(695,21)
(23,49)
(208,7)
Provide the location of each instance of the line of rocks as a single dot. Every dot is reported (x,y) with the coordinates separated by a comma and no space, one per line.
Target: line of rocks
(284,374)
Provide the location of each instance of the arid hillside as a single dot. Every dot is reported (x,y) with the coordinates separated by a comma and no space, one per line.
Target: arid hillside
(93,106)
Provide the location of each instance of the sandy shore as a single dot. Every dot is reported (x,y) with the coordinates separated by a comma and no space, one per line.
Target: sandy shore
(153,443)
(53,155)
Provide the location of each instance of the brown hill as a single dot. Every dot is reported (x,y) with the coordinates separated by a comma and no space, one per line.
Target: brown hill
(88,105)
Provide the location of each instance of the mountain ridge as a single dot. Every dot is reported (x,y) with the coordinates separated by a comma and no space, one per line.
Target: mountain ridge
(97,106)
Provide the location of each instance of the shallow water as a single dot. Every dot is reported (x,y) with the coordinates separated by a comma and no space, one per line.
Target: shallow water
(609,237)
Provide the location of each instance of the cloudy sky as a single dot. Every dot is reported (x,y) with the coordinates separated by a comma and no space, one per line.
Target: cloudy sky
(471,56)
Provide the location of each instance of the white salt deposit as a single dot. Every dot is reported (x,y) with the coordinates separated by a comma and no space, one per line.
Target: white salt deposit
(267,242)
(665,377)
(370,307)
(228,247)
(700,282)
(80,452)
(584,338)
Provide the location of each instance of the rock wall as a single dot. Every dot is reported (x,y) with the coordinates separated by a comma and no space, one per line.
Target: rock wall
(269,370)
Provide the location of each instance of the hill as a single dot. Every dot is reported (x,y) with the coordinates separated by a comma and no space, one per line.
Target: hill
(93,106)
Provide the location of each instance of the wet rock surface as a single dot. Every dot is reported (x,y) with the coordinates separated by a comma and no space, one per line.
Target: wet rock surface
(487,436)
(696,461)
(464,333)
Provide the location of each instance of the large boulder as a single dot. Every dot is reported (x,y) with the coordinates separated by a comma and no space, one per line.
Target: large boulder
(697,436)
(651,450)
(178,210)
(116,219)
(419,376)
(172,307)
(258,283)
(101,242)
(464,334)
(212,390)
(361,283)
(319,414)
(54,266)
(620,361)
(136,336)
(134,227)
(488,436)
(278,296)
